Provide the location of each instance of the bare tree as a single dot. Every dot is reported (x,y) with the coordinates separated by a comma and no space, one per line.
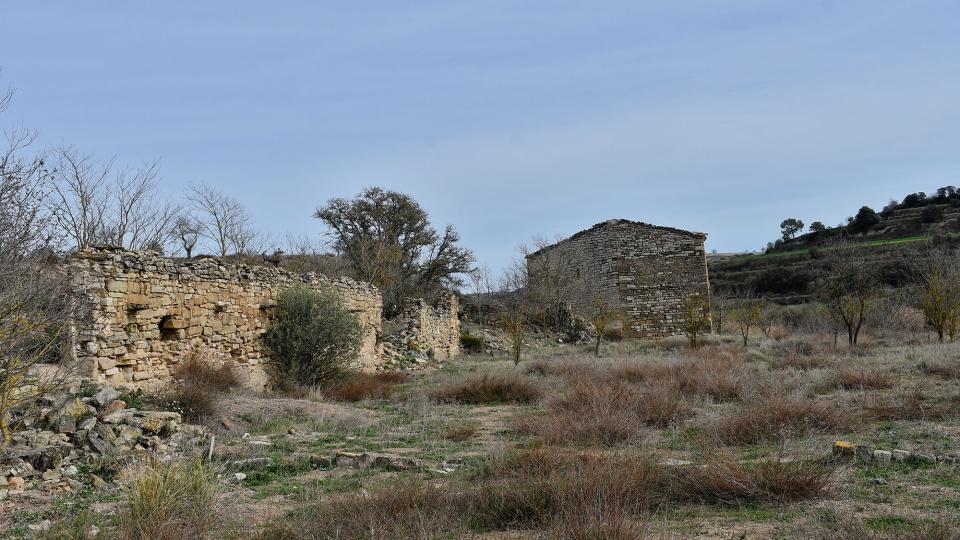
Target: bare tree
(223,219)
(514,291)
(92,203)
(850,287)
(696,318)
(939,292)
(186,230)
(79,198)
(482,287)
(604,318)
(36,303)
(746,313)
(550,280)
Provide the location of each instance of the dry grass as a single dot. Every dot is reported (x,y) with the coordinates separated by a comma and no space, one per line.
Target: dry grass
(944,370)
(596,412)
(461,431)
(204,369)
(725,481)
(194,402)
(862,379)
(774,418)
(566,495)
(908,404)
(493,387)
(360,386)
(406,510)
(169,501)
(802,362)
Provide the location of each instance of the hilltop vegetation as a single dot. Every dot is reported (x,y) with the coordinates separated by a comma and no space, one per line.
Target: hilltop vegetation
(897,239)
(917,215)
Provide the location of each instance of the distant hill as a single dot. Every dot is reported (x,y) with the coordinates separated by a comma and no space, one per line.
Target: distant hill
(917,215)
(897,237)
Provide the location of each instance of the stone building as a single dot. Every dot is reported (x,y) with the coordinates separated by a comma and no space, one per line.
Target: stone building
(149,312)
(643,272)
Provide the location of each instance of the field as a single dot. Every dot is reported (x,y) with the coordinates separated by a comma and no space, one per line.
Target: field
(651,440)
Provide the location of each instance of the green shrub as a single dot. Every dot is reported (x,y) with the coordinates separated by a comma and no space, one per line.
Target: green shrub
(313,337)
(471,344)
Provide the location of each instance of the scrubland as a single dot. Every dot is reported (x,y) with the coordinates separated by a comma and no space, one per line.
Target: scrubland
(651,440)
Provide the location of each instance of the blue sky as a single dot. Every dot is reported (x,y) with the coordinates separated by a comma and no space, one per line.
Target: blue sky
(508,118)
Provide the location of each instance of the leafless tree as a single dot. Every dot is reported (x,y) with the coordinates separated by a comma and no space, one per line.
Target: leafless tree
(850,287)
(79,198)
(36,302)
(514,317)
(93,203)
(481,281)
(938,293)
(551,279)
(696,318)
(223,219)
(603,317)
(186,230)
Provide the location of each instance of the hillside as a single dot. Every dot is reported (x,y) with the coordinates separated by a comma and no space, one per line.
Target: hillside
(917,215)
(897,238)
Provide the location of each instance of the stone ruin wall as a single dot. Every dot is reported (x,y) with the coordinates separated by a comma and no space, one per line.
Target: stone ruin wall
(643,271)
(150,312)
(433,331)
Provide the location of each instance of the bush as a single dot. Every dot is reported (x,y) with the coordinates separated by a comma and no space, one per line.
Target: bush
(471,344)
(776,417)
(359,386)
(943,370)
(858,379)
(194,402)
(501,387)
(604,413)
(169,501)
(725,481)
(408,509)
(313,337)
(198,369)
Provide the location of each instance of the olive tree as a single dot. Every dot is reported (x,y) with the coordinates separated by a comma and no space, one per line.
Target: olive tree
(387,239)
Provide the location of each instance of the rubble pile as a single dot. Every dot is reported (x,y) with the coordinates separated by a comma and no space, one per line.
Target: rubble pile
(66,432)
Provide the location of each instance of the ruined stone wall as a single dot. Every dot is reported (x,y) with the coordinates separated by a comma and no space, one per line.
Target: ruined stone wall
(149,312)
(433,331)
(643,271)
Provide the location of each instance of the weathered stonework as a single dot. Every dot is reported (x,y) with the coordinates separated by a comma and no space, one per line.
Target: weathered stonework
(644,272)
(431,331)
(149,312)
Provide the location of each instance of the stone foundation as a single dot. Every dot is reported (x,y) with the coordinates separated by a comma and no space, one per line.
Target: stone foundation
(150,312)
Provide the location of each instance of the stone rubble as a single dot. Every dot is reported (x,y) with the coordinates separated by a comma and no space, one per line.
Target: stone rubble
(66,431)
(868,454)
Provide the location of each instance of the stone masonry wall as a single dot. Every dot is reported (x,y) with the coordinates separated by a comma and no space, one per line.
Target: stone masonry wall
(643,271)
(428,330)
(149,312)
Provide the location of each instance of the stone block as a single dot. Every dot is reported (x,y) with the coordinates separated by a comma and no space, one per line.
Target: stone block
(115,286)
(882,457)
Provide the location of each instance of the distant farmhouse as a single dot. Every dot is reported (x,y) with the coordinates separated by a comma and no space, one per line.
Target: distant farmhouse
(643,272)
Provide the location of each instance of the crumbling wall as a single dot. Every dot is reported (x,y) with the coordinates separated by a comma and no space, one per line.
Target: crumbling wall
(149,312)
(430,331)
(642,271)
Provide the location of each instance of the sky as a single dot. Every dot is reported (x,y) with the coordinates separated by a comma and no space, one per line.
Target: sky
(507,118)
